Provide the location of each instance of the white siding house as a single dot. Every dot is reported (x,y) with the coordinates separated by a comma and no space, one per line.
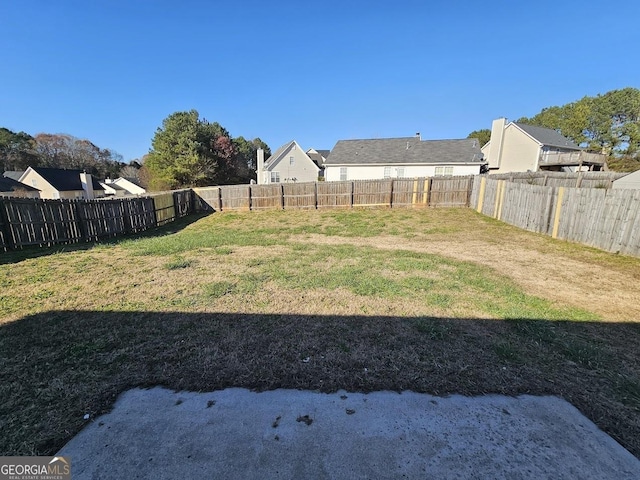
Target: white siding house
(288,164)
(406,157)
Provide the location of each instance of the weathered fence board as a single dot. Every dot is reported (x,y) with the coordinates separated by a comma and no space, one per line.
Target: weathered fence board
(235,197)
(410,192)
(207,199)
(372,193)
(266,197)
(164,207)
(334,194)
(561,179)
(450,191)
(299,195)
(603,218)
(28,221)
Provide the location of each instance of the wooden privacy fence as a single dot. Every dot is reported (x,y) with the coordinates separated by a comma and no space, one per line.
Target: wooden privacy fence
(562,179)
(415,192)
(29,221)
(604,218)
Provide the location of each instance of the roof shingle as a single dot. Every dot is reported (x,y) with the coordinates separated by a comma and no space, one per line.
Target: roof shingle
(547,136)
(405,150)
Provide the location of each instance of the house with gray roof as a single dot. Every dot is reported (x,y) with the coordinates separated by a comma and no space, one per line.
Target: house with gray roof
(519,147)
(288,164)
(405,157)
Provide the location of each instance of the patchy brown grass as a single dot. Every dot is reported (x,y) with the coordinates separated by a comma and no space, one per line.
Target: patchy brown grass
(438,301)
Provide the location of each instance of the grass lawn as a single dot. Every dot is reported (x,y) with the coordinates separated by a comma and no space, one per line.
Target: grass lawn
(436,300)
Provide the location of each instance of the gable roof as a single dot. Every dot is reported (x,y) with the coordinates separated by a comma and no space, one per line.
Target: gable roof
(64,180)
(316,156)
(15,174)
(547,136)
(405,150)
(8,184)
(282,151)
(113,186)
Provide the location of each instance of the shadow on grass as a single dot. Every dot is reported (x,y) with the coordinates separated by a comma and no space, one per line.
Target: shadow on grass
(15,256)
(59,365)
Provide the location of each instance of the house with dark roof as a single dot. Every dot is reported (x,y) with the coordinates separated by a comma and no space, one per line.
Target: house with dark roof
(288,164)
(13,188)
(519,147)
(62,183)
(318,157)
(405,157)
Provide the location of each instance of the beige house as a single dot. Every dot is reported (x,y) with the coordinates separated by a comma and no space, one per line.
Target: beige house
(288,164)
(56,183)
(13,188)
(518,147)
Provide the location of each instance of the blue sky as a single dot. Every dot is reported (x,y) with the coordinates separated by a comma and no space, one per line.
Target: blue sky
(111,71)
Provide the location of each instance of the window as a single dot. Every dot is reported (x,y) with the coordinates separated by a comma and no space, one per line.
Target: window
(343,173)
(34,182)
(275,177)
(387,172)
(439,171)
(291,160)
(448,170)
(400,172)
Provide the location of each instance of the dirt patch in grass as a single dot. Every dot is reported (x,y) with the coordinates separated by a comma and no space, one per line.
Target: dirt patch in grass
(581,282)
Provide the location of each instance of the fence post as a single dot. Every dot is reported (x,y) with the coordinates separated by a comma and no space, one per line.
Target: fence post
(501,203)
(4,222)
(282,196)
(315,194)
(82,227)
(425,191)
(556,220)
(414,197)
(126,216)
(483,185)
(391,194)
(352,193)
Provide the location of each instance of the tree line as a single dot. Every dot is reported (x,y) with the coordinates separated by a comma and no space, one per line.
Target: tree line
(186,151)
(18,151)
(607,123)
(189,151)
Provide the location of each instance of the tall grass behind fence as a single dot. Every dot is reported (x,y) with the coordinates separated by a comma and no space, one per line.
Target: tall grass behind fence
(603,218)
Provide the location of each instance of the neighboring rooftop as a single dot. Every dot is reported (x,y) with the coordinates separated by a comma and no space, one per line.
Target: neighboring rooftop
(547,136)
(14,174)
(8,184)
(64,180)
(405,150)
(278,153)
